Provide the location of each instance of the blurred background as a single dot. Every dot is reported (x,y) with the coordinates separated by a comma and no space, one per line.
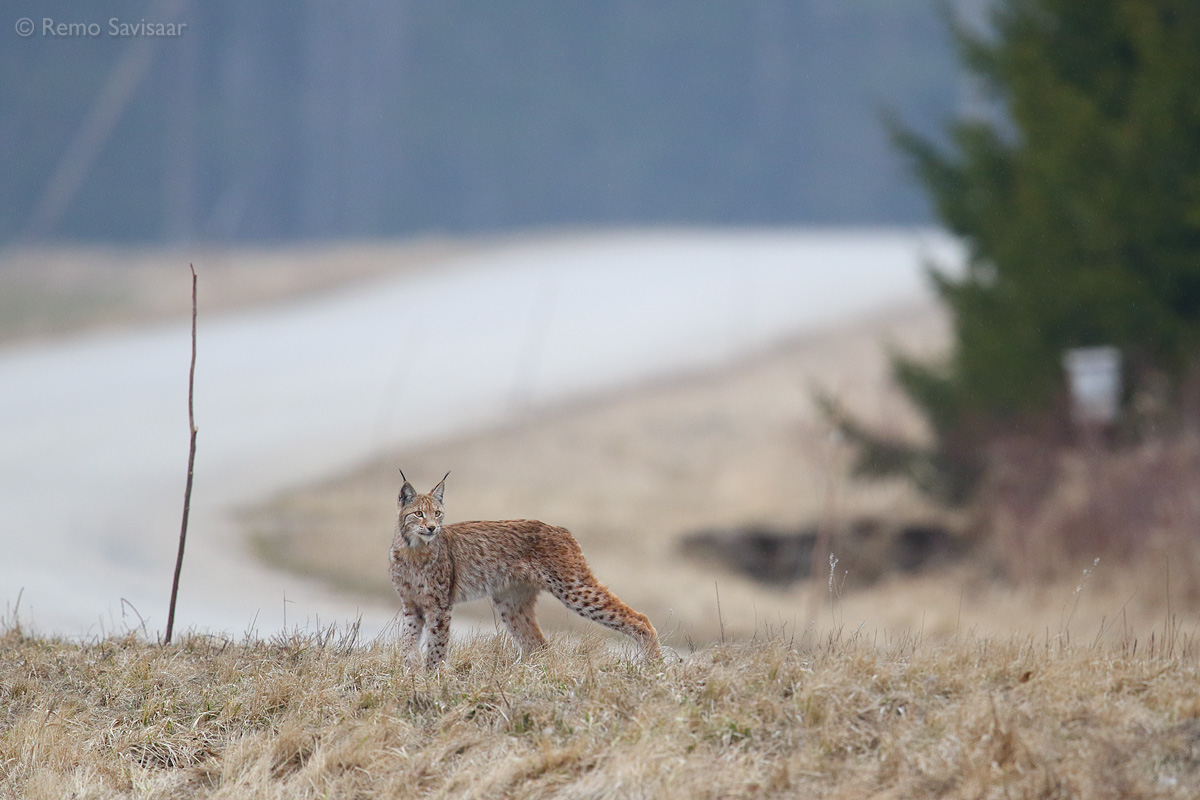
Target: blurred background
(658,272)
(267,123)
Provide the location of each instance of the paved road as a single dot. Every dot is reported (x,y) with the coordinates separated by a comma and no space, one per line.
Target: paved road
(93,432)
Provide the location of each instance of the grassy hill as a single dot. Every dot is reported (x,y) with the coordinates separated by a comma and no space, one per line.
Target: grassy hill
(321,714)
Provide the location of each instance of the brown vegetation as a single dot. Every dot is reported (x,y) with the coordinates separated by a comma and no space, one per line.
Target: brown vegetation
(1045,509)
(784,715)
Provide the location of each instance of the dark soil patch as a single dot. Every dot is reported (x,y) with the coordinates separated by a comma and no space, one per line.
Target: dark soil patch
(866,550)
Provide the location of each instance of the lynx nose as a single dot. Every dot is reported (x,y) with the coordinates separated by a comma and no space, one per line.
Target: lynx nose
(431,527)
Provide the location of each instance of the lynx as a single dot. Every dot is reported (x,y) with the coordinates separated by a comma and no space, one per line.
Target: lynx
(435,565)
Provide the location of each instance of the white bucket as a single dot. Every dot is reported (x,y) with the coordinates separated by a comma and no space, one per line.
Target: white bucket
(1094,375)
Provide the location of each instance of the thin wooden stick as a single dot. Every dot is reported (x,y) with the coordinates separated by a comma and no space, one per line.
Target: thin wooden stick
(187,492)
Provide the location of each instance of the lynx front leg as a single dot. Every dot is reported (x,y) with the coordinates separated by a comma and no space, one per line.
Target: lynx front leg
(412,623)
(436,638)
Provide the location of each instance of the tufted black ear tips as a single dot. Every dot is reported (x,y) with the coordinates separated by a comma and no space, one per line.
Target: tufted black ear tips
(407,492)
(439,491)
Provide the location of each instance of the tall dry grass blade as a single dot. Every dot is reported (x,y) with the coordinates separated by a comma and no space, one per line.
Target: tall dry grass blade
(720,617)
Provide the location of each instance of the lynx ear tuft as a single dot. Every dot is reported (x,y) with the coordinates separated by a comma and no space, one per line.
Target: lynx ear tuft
(407,493)
(440,490)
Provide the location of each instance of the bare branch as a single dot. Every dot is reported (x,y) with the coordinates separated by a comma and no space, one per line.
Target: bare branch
(187,492)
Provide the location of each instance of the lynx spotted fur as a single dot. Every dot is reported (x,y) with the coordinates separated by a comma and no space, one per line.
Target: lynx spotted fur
(435,565)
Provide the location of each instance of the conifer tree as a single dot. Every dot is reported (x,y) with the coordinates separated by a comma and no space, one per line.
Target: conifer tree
(1079,206)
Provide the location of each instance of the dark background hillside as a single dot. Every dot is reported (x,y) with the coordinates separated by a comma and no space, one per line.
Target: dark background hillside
(269,121)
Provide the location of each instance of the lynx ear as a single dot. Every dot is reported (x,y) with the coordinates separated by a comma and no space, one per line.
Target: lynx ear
(440,490)
(407,492)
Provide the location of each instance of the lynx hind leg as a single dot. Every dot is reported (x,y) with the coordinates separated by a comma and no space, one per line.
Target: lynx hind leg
(517,610)
(578,590)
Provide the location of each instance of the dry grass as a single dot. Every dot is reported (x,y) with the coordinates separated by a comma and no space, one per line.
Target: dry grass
(1044,508)
(319,715)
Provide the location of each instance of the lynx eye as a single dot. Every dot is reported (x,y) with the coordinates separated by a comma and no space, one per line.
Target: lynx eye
(439,515)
